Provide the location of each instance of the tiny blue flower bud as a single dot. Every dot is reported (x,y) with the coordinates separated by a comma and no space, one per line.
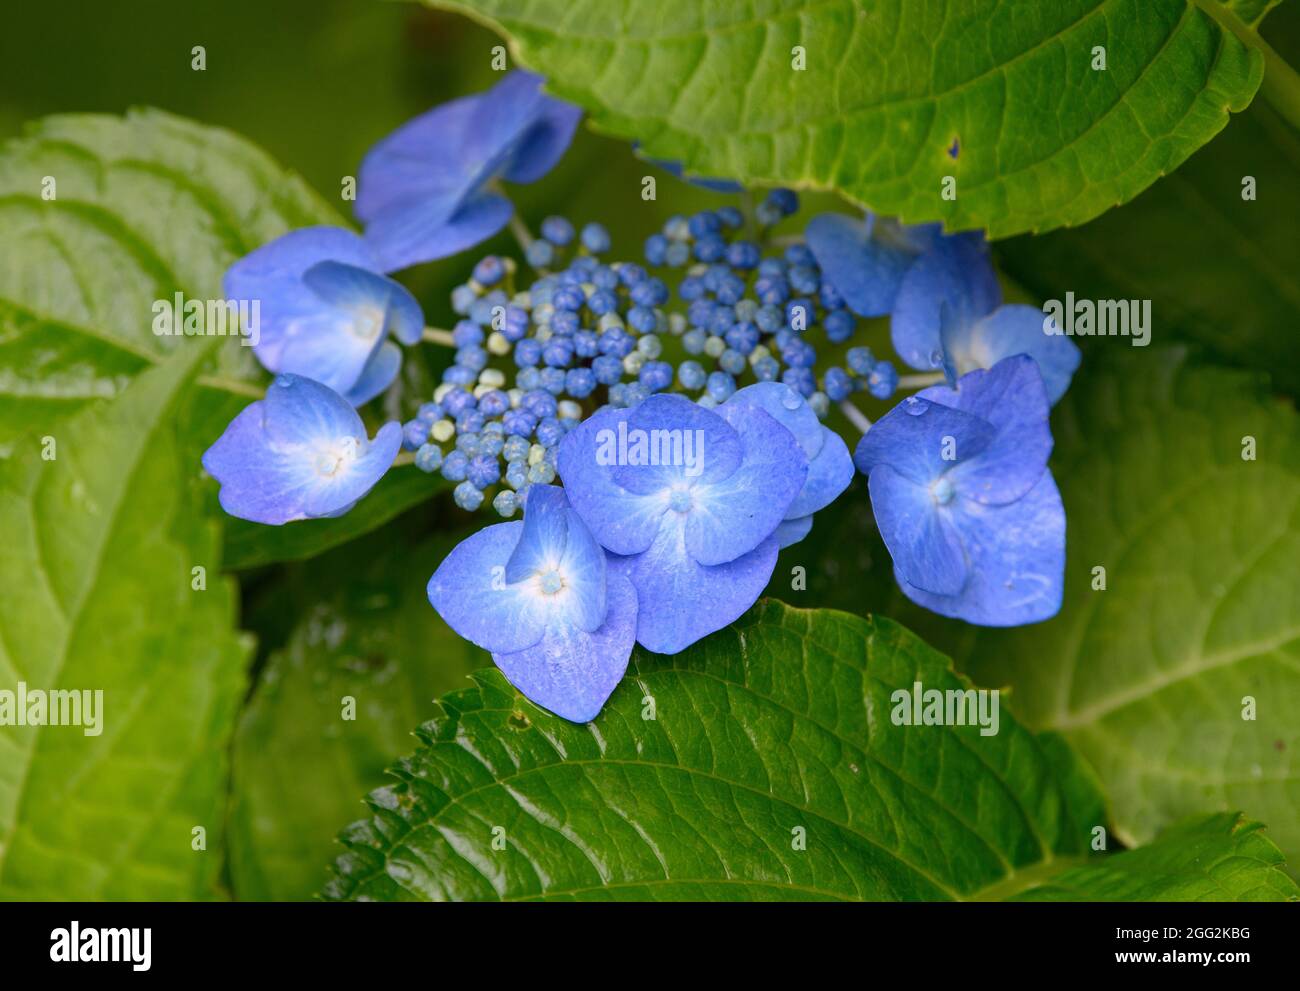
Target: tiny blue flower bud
(489,271)
(595,239)
(528,352)
(882,380)
(454,465)
(731,217)
(540,253)
(720,386)
(462,298)
(766,369)
(457,401)
(801,380)
(677,255)
(483,470)
(467,496)
(860,360)
(608,369)
(506,503)
(428,458)
(557,230)
(840,325)
(837,383)
(656,248)
(414,433)
(691,374)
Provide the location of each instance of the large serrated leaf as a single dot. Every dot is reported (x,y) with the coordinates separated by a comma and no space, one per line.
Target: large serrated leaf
(101,216)
(1156,678)
(100,545)
(761,763)
(896,95)
(1212,246)
(303,754)
(1221,857)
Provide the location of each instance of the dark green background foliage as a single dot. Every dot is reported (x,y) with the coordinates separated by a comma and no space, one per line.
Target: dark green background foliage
(761,763)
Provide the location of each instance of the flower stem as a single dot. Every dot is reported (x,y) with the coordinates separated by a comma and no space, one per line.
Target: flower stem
(236,386)
(521,232)
(920,381)
(404,458)
(436,335)
(855,415)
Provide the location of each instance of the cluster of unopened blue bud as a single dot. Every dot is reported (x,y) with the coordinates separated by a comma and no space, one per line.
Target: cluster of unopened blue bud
(586,330)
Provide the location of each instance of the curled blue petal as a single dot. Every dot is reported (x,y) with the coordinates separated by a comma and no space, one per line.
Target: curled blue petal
(300,453)
(680,600)
(922,540)
(865,271)
(422,190)
(731,517)
(792,531)
(623,522)
(572,672)
(324,310)
(545,534)
(1017,561)
(921,438)
(830,467)
(376,375)
(1011,329)
(829,474)
(1011,399)
(955,273)
(668,442)
(558,558)
(788,408)
(405,238)
(470,592)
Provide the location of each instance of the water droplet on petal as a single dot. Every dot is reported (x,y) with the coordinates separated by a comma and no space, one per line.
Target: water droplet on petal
(914,406)
(791,399)
(936,357)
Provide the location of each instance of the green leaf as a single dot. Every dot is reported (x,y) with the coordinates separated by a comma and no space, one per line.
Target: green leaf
(100,543)
(367,632)
(1219,269)
(1154,678)
(1043,139)
(250,545)
(141,207)
(761,763)
(1222,857)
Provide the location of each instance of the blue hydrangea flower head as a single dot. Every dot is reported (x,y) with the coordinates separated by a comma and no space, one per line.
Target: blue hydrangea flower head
(558,616)
(300,453)
(325,311)
(423,191)
(964,500)
(830,467)
(693,497)
(866,260)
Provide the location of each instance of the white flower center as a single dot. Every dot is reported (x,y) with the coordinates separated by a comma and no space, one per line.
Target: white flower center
(368,322)
(334,458)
